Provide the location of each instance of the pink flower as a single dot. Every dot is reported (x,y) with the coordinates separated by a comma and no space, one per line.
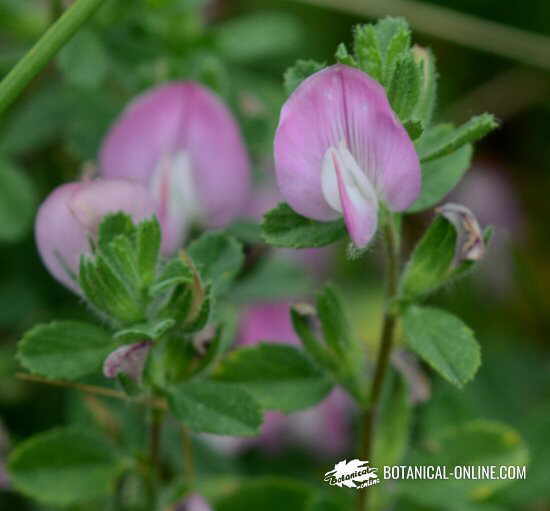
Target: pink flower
(128,359)
(339,150)
(69,217)
(181,142)
(325,428)
(193,502)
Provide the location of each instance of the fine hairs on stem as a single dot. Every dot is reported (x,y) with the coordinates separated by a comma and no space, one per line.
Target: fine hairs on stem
(391,239)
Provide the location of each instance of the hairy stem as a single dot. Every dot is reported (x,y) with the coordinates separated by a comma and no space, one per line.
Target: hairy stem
(44,49)
(386,343)
(95,390)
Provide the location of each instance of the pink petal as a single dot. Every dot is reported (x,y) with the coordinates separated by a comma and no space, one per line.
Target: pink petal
(347,189)
(70,215)
(95,199)
(128,359)
(182,116)
(193,502)
(268,322)
(335,104)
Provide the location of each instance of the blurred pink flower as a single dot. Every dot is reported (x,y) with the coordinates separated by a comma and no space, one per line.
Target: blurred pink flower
(128,359)
(69,217)
(193,502)
(325,428)
(182,143)
(339,150)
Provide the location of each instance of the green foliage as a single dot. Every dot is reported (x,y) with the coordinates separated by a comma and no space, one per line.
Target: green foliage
(278,376)
(404,88)
(152,331)
(63,467)
(392,439)
(75,58)
(273,279)
(267,494)
(258,36)
(428,91)
(445,141)
(116,276)
(17,202)
(339,354)
(444,342)
(214,407)
(296,74)
(431,261)
(218,258)
(379,47)
(65,349)
(283,227)
(476,443)
(440,176)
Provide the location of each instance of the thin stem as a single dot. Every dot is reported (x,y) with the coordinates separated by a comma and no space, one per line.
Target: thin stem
(187,454)
(93,389)
(45,48)
(384,352)
(154,469)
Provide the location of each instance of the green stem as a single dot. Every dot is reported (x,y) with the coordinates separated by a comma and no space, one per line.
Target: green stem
(46,47)
(386,344)
(187,454)
(154,461)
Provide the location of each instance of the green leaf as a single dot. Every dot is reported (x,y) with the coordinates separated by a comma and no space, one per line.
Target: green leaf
(440,176)
(266,494)
(112,226)
(404,88)
(343,57)
(142,331)
(431,261)
(415,129)
(84,60)
(428,91)
(148,238)
(257,36)
(477,443)
(334,323)
(174,273)
(63,467)
(283,227)
(213,407)
(273,279)
(218,258)
(471,131)
(278,376)
(378,47)
(296,74)
(106,290)
(302,324)
(65,349)
(17,203)
(444,342)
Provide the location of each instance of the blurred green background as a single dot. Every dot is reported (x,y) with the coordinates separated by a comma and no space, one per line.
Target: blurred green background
(492,56)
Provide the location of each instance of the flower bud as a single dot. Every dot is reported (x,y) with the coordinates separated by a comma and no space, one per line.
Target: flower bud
(182,143)
(69,218)
(470,244)
(128,359)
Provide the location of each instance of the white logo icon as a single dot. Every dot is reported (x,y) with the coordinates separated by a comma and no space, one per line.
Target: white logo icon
(352,474)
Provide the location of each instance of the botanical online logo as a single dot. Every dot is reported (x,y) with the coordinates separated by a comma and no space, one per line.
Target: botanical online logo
(352,474)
